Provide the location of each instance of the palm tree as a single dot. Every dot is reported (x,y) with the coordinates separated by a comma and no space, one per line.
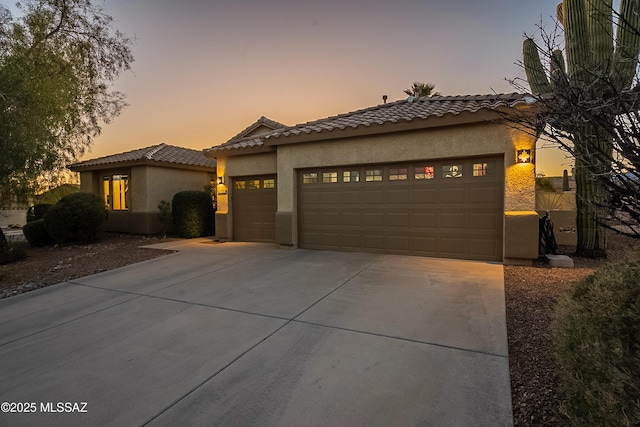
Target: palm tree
(421,89)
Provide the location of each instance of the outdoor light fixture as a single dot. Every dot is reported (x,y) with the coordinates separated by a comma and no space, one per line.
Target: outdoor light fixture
(523,156)
(220,181)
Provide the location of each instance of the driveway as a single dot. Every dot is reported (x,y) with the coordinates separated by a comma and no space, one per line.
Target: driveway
(250,334)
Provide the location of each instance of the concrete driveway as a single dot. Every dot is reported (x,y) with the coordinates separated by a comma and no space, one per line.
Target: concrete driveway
(249,334)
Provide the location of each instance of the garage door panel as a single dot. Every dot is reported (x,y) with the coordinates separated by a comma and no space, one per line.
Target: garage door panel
(254,209)
(397,213)
(484,221)
(374,219)
(373,196)
(400,219)
(453,220)
(398,196)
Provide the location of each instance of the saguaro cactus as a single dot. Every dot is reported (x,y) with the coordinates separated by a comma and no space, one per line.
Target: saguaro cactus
(600,64)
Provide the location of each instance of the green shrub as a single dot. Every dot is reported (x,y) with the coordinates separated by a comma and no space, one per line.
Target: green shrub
(36,234)
(193,214)
(78,217)
(596,334)
(37,212)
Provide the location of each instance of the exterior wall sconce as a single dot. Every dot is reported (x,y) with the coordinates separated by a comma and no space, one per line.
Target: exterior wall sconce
(523,156)
(220,181)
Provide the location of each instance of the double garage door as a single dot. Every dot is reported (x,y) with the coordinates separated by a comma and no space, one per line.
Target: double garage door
(450,209)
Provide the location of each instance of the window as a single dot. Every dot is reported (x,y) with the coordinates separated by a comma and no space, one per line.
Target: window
(309,178)
(115,189)
(329,177)
(424,172)
(452,171)
(399,174)
(483,169)
(254,184)
(269,183)
(241,185)
(373,175)
(351,176)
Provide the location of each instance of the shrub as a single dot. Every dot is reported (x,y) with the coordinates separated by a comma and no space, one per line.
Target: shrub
(36,234)
(37,212)
(76,217)
(596,334)
(193,214)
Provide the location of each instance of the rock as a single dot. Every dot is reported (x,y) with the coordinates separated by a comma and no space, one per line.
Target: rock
(559,261)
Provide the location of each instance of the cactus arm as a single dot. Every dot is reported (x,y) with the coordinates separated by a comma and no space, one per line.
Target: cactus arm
(560,13)
(600,28)
(558,70)
(576,36)
(627,43)
(536,75)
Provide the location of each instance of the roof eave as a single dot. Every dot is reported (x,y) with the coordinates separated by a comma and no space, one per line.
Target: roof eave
(465,117)
(147,162)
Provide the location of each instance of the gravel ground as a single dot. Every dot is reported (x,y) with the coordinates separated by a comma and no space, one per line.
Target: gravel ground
(530,292)
(54,264)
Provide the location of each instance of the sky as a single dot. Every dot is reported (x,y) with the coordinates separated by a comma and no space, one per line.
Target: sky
(206,69)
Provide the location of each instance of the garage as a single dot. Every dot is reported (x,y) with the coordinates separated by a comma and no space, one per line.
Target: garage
(446,208)
(255,198)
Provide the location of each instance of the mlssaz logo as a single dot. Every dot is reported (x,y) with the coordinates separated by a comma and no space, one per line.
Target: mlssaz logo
(80,407)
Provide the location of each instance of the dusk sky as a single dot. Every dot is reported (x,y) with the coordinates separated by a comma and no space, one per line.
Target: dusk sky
(205,70)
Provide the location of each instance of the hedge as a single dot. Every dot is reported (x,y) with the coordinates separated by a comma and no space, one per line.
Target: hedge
(78,217)
(193,214)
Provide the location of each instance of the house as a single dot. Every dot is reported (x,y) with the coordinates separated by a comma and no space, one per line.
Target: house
(133,183)
(430,176)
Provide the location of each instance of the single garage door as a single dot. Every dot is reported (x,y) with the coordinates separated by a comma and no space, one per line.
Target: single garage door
(254,201)
(449,209)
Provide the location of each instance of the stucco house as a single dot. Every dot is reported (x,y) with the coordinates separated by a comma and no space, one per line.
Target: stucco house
(133,183)
(439,176)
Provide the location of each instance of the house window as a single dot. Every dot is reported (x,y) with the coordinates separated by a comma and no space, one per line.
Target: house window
(483,169)
(351,176)
(309,178)
(424,172)
(241,185)
(115,189)
(373,175)
(398,174)
(269,183)
(452,171)
(254,184)
(329,177)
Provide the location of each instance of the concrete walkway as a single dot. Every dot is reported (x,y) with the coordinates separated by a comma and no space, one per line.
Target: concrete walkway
(239,334)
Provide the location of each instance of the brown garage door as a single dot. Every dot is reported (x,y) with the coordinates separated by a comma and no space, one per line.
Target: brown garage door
(447,209)
(254,209)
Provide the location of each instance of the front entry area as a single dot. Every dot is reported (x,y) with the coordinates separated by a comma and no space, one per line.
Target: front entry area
(255,205)
(445,208)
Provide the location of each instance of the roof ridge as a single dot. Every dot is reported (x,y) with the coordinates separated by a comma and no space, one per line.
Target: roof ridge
(154,150)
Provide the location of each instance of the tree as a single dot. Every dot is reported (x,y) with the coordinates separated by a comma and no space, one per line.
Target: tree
(58,61)
(584,101)
(421,89)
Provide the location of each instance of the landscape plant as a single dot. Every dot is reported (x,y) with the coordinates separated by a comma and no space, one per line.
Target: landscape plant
(596,333)
(78,217)
(36,234)
(585,101)
(193,213)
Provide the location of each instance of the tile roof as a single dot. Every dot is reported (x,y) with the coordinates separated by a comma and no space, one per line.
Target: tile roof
(404,111)
(262,121)
(160,153)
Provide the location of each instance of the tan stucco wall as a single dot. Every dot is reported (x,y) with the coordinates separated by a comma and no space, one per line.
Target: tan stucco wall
(151,184)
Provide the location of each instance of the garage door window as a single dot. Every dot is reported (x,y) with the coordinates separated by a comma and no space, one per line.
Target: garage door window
(399,174)
(424,172)
(351,176)
(254,184)
(269,183)
(241,185)
(373,175)
(329,177)
(309,178)
(452,171)
(483,169)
